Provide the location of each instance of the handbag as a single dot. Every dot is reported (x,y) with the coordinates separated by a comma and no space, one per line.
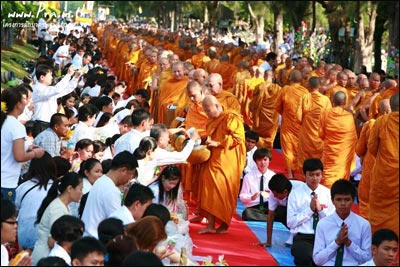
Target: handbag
(254,214)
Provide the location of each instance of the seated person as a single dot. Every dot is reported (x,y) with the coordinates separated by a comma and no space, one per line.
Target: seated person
(255,192)
(87,251)
(251,140)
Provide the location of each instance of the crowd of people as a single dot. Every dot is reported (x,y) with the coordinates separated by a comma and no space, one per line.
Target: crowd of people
(117,130)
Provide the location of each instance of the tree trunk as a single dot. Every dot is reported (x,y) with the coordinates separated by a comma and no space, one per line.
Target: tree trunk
(314,18)
(278,30)
(365,38)
(394,25)
(172,16)
(258,23)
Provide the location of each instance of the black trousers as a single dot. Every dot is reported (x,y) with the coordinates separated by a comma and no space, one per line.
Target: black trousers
(302,249)
(255,214)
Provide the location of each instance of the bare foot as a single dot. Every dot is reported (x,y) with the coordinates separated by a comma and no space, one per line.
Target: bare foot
(222,229)
(207,230)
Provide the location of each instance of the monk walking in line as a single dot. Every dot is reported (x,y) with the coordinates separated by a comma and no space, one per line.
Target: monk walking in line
(309,111)
(286,105)
(383,143)
(339,134)
(219,184)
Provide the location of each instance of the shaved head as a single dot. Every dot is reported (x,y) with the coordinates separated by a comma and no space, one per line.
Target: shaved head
(384,106)
(339,98)
(212,107)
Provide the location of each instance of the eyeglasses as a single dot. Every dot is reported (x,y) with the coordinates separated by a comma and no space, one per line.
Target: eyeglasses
(11,222)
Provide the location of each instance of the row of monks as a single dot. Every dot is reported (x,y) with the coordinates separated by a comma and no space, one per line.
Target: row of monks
(314,120)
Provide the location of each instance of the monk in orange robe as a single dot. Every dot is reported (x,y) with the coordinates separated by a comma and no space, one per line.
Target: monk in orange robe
(319,70)
(239,77)
(284,73)
(263,114)
(173,92)
(248,88)
(226,70)
(146,71)
(311,105)
(351,86)
(214,85)
(339,134)
(163,74)
(389,87)
(367,163)
(383,143)
(286,105)
(199,58)
(209,66)
(219,184)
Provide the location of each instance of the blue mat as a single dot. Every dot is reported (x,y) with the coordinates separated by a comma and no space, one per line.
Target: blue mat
(278,250)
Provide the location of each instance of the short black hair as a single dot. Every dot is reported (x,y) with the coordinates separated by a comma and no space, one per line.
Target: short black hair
(343,187)
(142,258)
(261,153)
(279,182)
(86,245)
(138,192)
(109,228)
(253,135)
(312,164)
(158,210)
(52,261)
(384,234)
(124,159)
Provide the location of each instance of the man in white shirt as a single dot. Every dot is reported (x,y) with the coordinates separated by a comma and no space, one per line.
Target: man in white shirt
(269,63)
(254,193)
(140,124)
(344,237)
(105,196)
(136,201)
(251,139)
(280,187)
(306,205)
(63,55)
(44,96)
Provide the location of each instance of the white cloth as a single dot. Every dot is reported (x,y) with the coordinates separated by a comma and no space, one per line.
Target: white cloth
(58,251)
(81,130)
(4,256)
(92,91)
(299,213)
(61,51)
(145,171)
(129,141)
(325,247)
(104,198)
(123,214)
(42,25)
(55,210)
(11,130)
(27,211)
(251,185)
(273,202)
(165,157)
(250,163)
(44,97)
(77,61)
(265,66)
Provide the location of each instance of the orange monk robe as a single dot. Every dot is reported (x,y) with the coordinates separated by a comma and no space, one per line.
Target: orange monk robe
(209,66)
(383,143)
(191,173)
(132,58)
(309,111)
(238,83)
(113,50)
(228,101)
(339,134)
(284,76)
(248,89)
(227,71)
(352,92)
(374,107)
(367,163)
(121,57)
(145,74)
(263,114)
(337,88)
(286,105)
(198,60)
(233,53)
(165,75)
(220,179)
(316,73)
(278,68)
(172,92)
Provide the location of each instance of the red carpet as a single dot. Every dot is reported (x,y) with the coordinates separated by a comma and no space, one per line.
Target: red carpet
(237,246)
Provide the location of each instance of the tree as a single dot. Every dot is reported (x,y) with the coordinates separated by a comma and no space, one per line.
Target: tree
(257,12)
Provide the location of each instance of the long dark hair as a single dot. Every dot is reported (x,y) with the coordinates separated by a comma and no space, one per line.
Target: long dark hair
(70,179)
(169,173)
(44,169)
(10,98)
(146,144)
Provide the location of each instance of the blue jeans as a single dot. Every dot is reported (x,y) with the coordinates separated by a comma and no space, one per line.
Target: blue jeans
(8,193)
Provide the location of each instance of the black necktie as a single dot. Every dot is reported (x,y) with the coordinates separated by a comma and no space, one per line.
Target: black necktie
(261,190)
(315,215)
(339,254)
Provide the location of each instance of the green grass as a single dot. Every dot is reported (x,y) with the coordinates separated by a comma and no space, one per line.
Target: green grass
(24,52)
